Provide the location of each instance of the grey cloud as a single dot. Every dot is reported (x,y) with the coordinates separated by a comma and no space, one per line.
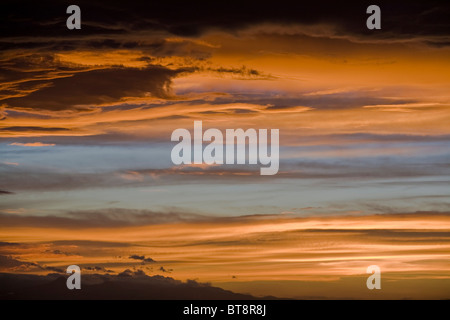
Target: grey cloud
(106,218)
(116,138)
(120,217)
(17,178)
(344,100)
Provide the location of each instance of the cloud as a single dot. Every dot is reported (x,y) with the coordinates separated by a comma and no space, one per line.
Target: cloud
(143,258)
(11,264)
(6,244)
(103,218)
(58,252)
(11,163)
(165,270)
(33,128)
(32,144)
(126,285)
(121,217)
(97,269)
(320,157)
(54,269)
(402,19)
(18,178)
(84,89)
(131,273)
(320,101)
(411,245)
(242,73)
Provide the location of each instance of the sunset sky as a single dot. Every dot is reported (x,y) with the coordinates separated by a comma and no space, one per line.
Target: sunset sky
(86,117)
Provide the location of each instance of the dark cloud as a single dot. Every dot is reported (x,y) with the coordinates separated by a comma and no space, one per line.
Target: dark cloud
(321,101)
(122,139)
(152,48)
(139,273)
(10,263)
(243,73)
(7,244)
(143,258)
(126,285)
(84,89)
(23,73)
(3,192)
(33,128)
(401,19)
(165,270)
(132,273)
(54,269)
(126,273)
(58,252)
(136,257)
(97,269)
(34,78)
(438,44)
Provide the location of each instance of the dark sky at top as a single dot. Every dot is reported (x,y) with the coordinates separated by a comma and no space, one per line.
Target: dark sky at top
(191,18)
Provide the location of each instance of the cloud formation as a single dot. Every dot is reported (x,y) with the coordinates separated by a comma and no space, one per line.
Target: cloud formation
(126,285)
(142,258)
(96,87)
(114,217)
(32,144)
(85,124)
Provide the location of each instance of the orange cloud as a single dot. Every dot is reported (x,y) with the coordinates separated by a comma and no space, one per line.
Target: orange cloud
(258,248)
(32,144)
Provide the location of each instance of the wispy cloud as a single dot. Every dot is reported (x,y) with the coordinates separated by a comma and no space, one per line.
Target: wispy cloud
(32,144)
(251,248)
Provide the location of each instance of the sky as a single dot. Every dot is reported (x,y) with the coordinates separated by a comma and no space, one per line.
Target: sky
(86,118)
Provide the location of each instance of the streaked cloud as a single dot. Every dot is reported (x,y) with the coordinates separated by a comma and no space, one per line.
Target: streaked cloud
(253,248)
(86,119)
(32,144)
